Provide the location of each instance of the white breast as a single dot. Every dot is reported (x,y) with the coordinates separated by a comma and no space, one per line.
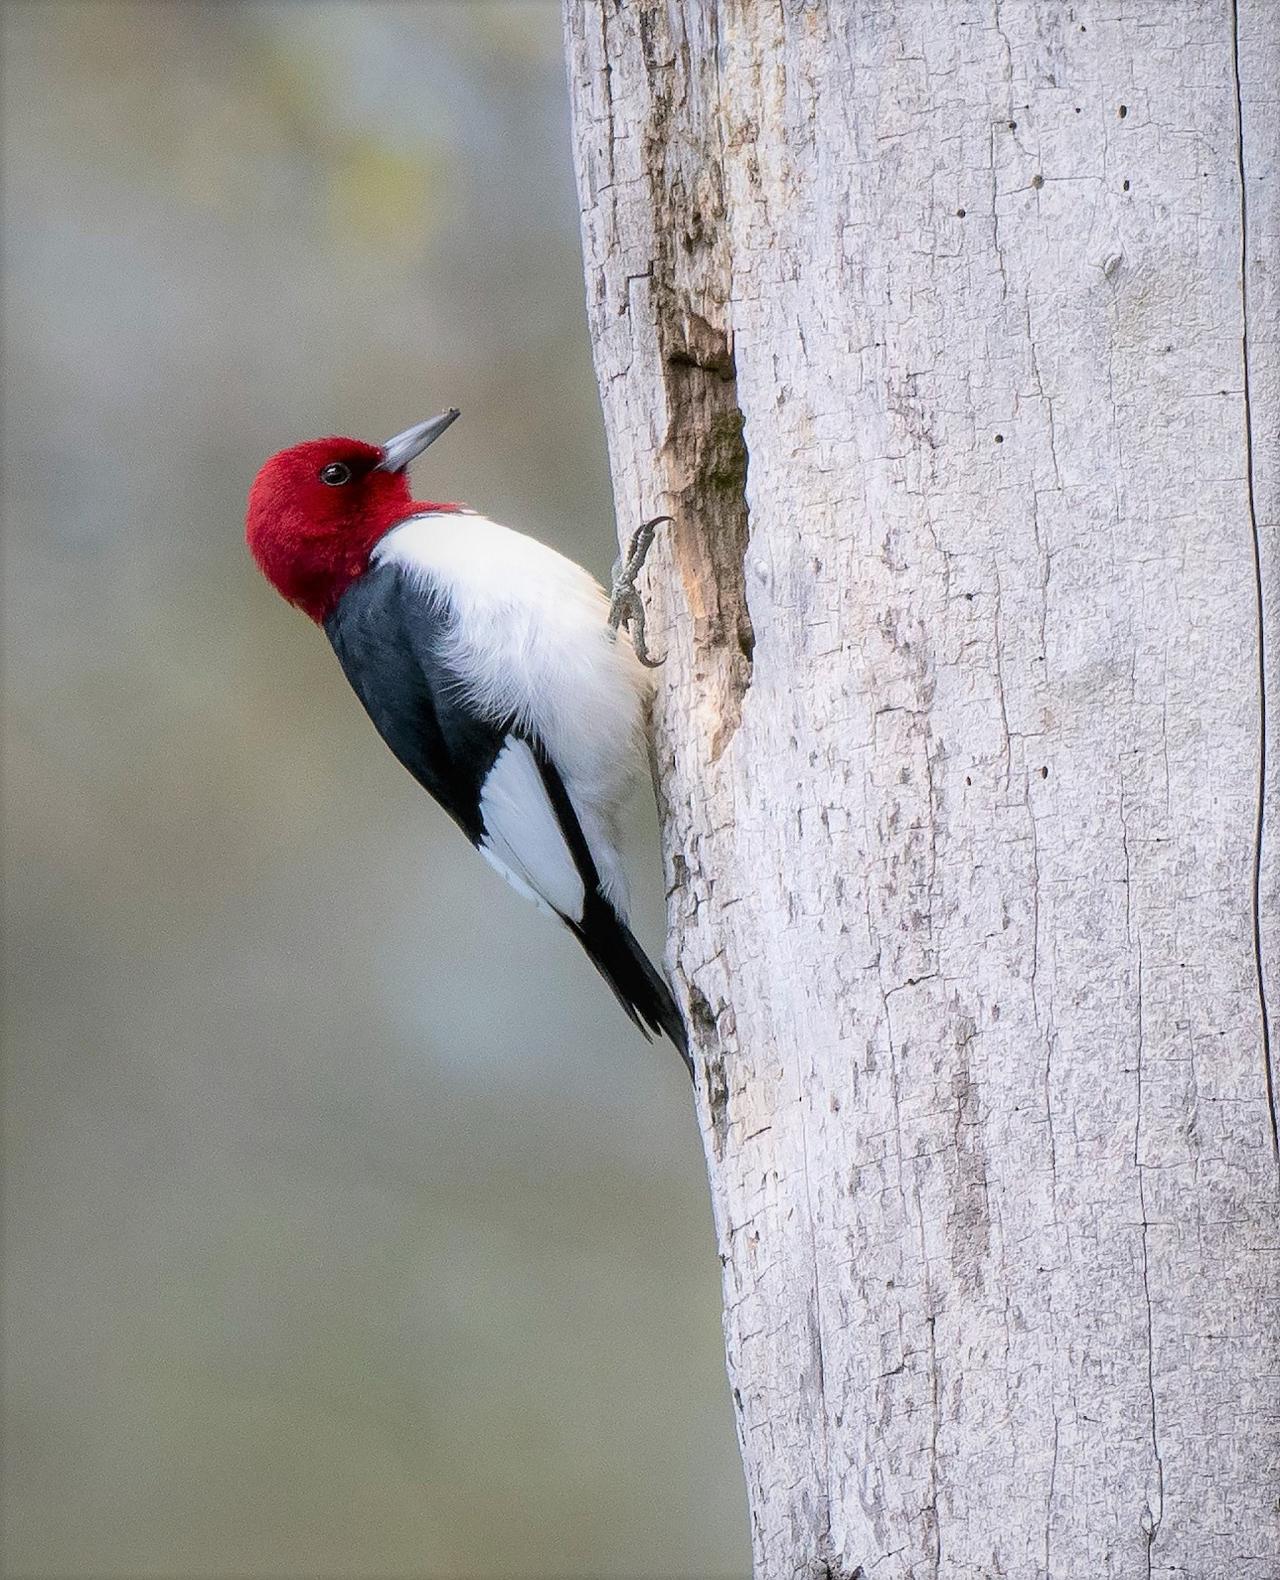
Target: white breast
(531,639)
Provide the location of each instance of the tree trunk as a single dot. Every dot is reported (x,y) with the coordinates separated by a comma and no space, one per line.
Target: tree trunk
(948,334)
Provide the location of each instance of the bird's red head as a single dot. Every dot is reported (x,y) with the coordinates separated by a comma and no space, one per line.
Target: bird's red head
(317,509)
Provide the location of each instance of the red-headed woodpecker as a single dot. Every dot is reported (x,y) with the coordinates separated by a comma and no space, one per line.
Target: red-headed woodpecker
(487,663)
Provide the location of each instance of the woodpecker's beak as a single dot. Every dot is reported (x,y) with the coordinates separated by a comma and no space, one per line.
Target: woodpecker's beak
(407,446)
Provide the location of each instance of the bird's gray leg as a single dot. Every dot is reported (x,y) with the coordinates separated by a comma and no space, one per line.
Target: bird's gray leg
(626,607)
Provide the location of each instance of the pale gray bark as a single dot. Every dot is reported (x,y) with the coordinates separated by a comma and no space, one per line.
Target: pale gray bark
(929,322)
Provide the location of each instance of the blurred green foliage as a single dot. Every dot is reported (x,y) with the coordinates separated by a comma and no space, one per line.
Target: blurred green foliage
(349,1230)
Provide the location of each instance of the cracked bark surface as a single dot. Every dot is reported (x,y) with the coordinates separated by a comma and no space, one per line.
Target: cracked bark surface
(950,336)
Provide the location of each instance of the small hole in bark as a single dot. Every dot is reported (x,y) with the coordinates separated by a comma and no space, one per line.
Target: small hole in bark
(999,438)
(1044,773)
(1013,126)
(1124,110)
(1037,182)
(967,780)
(959,213)
(1126,186)
(1077,109)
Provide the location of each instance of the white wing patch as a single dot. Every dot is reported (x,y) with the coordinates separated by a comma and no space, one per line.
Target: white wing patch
(523,840)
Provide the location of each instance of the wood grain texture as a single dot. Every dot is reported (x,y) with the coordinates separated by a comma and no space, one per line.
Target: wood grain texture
(949,334)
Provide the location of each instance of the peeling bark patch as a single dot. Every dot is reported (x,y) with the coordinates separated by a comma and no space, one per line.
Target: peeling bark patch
(706,462)
(701,1013)
(707,1033)
(718,1104)
(702,458)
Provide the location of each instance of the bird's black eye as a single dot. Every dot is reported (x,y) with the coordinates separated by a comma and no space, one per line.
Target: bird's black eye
(335,474)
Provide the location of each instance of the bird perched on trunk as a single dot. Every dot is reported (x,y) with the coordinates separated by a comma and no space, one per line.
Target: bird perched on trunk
(488,664)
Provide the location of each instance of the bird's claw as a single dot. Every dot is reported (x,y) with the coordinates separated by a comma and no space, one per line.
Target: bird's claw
(626,606)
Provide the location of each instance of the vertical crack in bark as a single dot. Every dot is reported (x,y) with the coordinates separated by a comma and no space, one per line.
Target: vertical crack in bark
(1260,826)
(1048,1503)
(1151,1518)
(935,1427)
(825,1554)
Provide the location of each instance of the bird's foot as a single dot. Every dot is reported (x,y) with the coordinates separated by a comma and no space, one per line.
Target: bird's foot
(626,606)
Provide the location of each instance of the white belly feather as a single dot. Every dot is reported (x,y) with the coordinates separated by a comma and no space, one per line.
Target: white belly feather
(531,639)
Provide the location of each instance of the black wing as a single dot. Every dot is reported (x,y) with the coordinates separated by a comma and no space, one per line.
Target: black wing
(389,639)
(496,781)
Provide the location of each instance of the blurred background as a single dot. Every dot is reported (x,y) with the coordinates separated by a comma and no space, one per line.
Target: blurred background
(348,1227)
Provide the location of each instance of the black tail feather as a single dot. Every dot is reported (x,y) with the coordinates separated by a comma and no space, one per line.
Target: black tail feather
(602,932)
(636,983)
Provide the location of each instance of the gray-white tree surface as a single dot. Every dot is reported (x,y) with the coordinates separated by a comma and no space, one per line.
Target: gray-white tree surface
(948,333)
